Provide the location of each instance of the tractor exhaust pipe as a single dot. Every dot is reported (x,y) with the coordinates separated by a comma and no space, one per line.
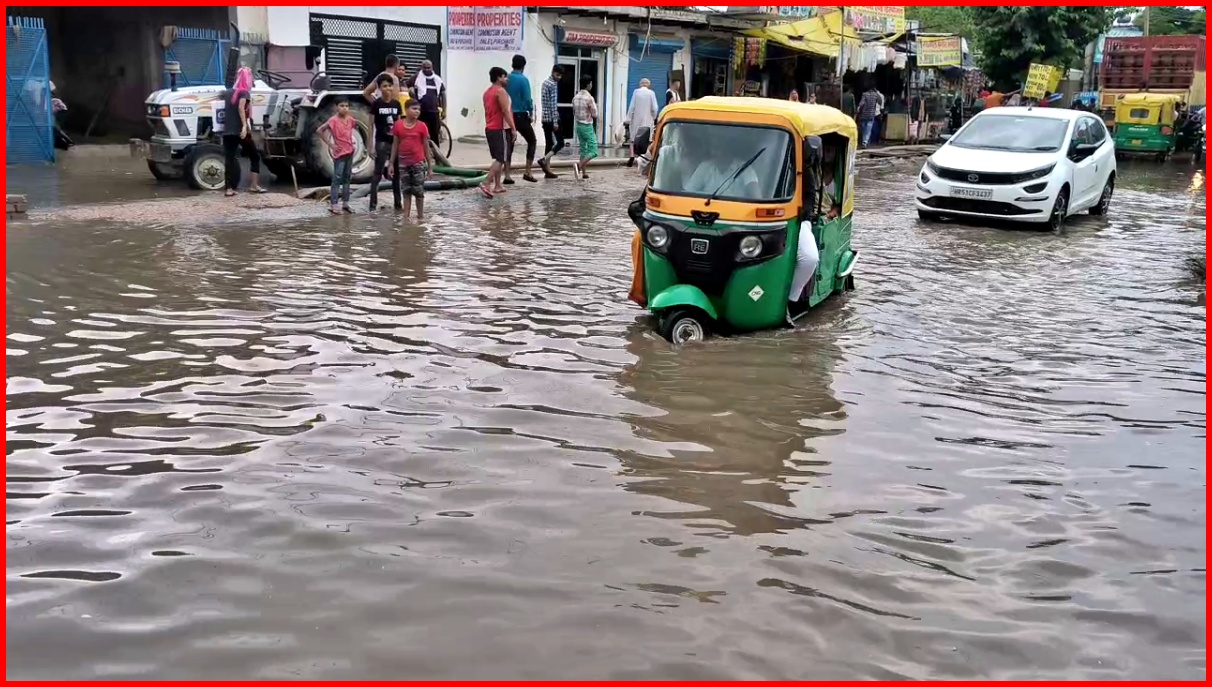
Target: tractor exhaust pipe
(173,69)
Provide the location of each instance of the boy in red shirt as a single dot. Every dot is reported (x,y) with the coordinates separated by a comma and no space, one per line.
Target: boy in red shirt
(410,145)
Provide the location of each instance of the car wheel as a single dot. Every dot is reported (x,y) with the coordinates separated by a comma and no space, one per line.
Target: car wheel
(682,327)
(1060,211)
(1104,201)
(927,216)
(206,168)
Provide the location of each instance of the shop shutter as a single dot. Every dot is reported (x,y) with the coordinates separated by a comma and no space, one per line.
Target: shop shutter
(655,67)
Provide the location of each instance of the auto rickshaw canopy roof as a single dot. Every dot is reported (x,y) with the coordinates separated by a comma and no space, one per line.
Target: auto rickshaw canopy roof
(805,119)
(1149,99)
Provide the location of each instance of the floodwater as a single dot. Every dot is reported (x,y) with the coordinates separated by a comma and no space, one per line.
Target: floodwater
(349,447)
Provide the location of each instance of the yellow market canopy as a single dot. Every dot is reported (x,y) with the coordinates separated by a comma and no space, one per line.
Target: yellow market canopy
(820,35)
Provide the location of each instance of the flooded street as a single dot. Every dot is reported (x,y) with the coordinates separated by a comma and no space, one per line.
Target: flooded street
(352,447)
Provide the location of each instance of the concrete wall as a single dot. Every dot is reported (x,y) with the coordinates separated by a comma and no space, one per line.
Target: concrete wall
(109,59)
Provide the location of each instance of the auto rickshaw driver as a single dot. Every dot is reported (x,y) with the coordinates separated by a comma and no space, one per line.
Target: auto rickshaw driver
(807,256)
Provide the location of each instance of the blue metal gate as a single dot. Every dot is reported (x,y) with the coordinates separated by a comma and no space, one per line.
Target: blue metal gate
(201,54)
(28,134)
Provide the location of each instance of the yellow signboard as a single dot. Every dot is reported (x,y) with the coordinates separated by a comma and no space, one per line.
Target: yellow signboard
(877,19)
(940,52)
(1041,79)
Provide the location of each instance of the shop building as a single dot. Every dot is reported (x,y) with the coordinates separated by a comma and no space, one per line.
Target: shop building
(615,46)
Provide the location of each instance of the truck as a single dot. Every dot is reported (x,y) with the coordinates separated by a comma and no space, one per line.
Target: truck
(1171,65)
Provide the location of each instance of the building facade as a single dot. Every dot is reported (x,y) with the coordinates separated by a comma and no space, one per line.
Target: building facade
(616,47)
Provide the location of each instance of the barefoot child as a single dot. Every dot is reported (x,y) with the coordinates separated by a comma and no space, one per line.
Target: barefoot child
(410,146)
(341,129)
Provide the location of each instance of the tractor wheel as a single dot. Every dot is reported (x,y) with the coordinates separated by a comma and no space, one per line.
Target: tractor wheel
(319,161)
(165,172)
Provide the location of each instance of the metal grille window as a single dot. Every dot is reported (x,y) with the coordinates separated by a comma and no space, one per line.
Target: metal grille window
(356,49)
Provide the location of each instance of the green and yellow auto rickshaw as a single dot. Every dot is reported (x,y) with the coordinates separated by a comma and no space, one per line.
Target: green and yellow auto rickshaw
(1144,123)
(733,184)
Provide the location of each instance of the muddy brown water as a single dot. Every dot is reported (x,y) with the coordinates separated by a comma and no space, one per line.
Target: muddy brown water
(351,447)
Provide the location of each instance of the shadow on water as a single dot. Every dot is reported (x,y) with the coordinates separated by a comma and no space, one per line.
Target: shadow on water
(324,447)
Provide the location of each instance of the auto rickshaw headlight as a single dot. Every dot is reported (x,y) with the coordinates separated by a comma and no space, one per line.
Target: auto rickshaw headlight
(658,237)
(751,247)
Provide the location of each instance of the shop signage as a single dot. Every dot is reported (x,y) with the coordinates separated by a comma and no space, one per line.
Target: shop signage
(940,52)
(484,28)
(873,19)
(590,39)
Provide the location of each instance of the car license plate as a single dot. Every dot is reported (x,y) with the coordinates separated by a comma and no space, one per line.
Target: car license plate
(158,152)
(1135,142)
(979,193)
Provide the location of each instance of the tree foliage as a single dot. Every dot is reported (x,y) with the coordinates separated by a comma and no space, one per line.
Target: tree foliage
(943,19)
(1173,21)
(1013,37)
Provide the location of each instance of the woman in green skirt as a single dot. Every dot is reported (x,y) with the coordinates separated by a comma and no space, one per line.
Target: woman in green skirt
(584,116)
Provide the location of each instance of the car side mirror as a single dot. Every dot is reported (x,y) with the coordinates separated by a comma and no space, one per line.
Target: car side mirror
(944,137)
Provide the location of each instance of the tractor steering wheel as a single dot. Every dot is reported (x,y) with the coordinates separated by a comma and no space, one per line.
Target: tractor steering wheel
(275,79)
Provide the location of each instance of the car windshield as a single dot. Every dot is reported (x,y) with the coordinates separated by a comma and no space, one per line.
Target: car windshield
(704,159)
(1018,134)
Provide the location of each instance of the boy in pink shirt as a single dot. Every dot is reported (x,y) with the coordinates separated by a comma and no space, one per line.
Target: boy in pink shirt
(341,130)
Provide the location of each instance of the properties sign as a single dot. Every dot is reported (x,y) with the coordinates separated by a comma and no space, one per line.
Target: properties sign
(484,28)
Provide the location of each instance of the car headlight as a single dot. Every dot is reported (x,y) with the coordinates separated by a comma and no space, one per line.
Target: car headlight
(658,237)
(751,247)
(931,166)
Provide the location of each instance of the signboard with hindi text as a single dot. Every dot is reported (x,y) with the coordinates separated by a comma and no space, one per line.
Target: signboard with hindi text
(1041,78)
(873,19)
(940,52)
(473,28)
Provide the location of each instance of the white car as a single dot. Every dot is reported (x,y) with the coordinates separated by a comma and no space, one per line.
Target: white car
(1023,164)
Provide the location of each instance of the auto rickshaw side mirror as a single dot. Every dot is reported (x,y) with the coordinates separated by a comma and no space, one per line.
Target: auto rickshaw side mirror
(635,210)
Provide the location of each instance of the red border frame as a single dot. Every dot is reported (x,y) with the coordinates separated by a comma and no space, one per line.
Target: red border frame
(151,3)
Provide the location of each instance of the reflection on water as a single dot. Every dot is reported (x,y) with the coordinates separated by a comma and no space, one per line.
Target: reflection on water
(359,448)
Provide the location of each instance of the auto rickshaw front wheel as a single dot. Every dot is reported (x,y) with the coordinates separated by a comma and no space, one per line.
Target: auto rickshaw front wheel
(684,326)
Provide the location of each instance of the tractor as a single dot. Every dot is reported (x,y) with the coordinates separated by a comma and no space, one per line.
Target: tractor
(185,143)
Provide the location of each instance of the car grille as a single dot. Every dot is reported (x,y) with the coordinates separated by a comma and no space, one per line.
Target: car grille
(981,178)
(983,207)
(159,127)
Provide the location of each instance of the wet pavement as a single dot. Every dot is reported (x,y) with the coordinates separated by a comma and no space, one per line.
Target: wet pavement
(355,447)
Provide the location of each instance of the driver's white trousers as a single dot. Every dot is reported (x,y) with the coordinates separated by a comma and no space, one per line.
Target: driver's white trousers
(806,259)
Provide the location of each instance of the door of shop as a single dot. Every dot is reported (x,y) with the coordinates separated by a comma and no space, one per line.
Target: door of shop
(650,59)
(356,49)
(578,62)
(711,64)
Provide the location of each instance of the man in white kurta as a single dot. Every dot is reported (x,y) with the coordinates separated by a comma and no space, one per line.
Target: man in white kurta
(643,111)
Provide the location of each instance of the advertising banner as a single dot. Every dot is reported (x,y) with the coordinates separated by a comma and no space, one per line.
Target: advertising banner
(873,19)
(484,28)
(940,52)
(1041,78)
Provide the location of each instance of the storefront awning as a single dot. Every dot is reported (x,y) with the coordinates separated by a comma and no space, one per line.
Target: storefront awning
(818,36)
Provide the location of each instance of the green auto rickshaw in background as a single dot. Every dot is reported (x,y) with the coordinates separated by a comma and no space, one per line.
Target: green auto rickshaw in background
(733,186)
(1144,123)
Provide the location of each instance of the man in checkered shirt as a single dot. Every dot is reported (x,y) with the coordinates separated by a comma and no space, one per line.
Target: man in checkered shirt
(553,140)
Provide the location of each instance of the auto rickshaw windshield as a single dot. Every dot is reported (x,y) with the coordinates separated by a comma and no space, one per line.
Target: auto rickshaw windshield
(725,161)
